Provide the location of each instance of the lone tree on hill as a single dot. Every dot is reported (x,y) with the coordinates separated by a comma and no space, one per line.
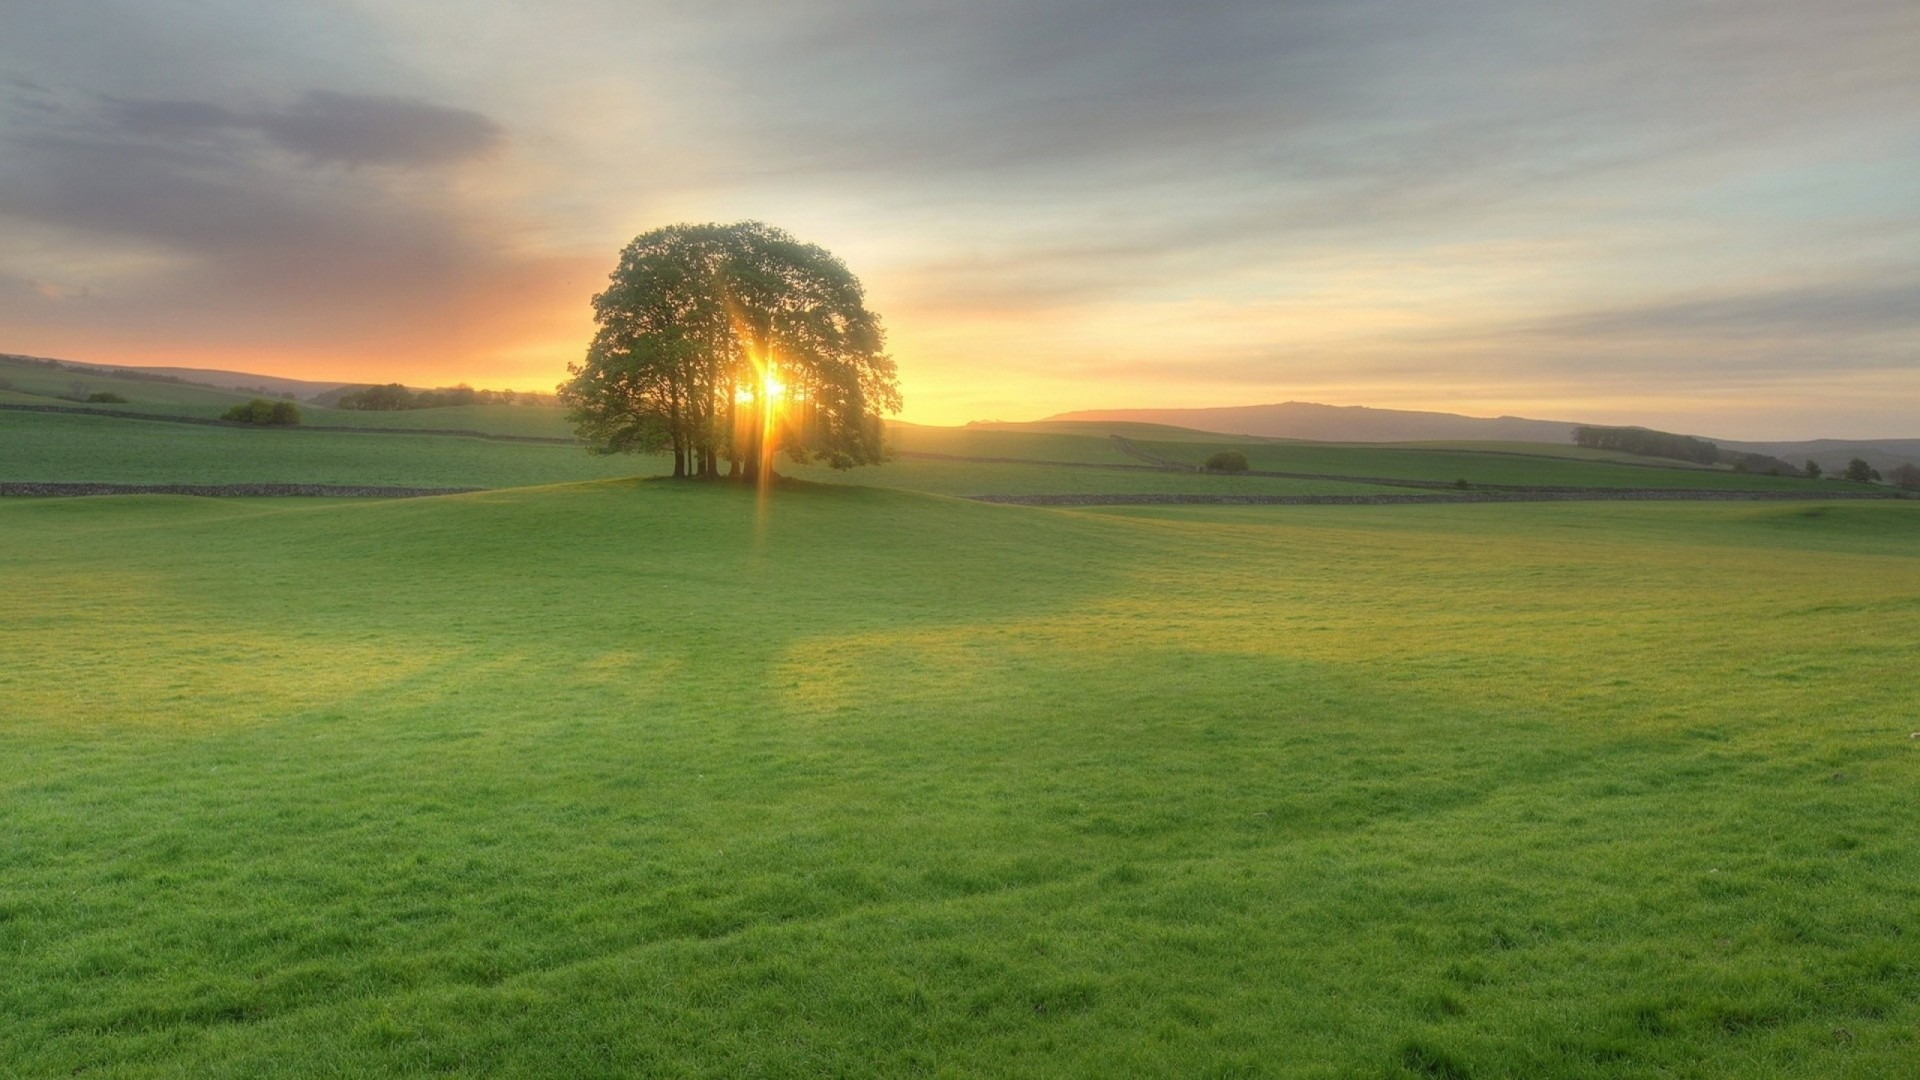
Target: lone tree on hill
(733,341)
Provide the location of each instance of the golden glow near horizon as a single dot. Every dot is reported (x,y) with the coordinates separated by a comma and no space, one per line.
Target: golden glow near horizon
(1391,208)
(771,388)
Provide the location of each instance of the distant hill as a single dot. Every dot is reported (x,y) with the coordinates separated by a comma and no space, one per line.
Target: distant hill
(1339,423)
(1833,454)
(245,381)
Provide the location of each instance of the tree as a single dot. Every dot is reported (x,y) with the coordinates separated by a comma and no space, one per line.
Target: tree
(1906,477)
(1645,441)
(733,341)
(262,411)
(1227,461)
(1813,469)
(1860,472)
(389,398)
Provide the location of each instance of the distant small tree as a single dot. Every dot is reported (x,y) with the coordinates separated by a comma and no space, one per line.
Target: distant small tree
(264,412)
(1813,469)
(389,398)
(1860,472)
(1906,477)
(105,397)
(1227,461)
(1648,443)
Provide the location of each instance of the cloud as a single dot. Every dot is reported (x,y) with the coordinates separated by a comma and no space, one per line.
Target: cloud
(327,126)
(1275,193)
(339,224)
(1858,307)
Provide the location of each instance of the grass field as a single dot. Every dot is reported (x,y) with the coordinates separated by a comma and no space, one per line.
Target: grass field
(44,385)
(66,447)
(630,778)
(37,384)
(1480,466)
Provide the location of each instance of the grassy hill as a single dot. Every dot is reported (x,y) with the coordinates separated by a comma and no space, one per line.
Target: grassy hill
(24,382)
(1508,465)
(66,447)
(635,778)
(951,461)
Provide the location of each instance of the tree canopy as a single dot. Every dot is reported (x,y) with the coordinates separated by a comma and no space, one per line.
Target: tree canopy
(733,341)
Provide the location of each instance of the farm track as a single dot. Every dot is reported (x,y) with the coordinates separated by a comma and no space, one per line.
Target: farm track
(124,414)
(1395,499)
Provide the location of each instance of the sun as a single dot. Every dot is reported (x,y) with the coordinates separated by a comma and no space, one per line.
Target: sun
(771,390)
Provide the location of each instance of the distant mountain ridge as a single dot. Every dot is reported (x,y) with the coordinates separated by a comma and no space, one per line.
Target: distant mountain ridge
(1339,423)
(1287,420)
(225,380)
(239,381)
(1363,424)
(1833,454)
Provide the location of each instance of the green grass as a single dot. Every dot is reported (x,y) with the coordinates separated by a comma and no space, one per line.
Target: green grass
(652,779)
(38,384)
(983,478)
(61,447)
(522,420)
(66,447)
(1484,466)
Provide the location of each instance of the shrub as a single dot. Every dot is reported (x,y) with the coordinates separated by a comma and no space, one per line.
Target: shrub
(262,411)
(1860,472)
(106,397)
(1227,461)
(389,398)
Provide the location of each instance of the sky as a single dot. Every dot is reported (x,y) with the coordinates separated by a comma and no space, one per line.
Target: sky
(1700,216)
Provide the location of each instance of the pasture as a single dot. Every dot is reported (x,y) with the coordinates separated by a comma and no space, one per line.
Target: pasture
(430,450)
(641,778)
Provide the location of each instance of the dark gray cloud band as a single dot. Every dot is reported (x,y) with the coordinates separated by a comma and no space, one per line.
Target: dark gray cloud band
(327,126)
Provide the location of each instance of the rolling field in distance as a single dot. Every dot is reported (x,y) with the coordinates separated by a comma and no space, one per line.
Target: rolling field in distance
(72,448)
(36,384)
(647,778)
(1478,466)
(66,447)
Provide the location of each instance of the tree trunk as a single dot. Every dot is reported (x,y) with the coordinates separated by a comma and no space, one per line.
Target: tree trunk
(679,462)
